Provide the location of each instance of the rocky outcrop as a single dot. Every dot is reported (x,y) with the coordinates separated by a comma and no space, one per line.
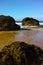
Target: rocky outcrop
(30,22)
(8,23)
(20,53)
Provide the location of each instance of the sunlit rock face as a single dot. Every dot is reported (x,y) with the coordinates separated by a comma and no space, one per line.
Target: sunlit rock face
(30,22)
(8,23)
(20,53)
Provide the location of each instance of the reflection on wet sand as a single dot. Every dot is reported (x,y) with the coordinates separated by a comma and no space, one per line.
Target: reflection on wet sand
(6,38)
(32,37)
(29,36)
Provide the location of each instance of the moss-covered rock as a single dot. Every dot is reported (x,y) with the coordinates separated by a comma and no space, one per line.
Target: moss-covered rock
(20,53)
(8,23)
(30,22)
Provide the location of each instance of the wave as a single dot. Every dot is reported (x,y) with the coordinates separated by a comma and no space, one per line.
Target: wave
(21,23)
(41,23)
(29,27)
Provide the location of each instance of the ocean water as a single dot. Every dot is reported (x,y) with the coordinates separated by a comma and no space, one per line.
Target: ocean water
(41,22)
(20,21)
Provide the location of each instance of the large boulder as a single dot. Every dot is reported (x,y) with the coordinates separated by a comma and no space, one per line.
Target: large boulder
(8,23)
(20,53)
(30,22)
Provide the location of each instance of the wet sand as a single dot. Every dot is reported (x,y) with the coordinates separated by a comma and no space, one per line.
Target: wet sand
(29,36)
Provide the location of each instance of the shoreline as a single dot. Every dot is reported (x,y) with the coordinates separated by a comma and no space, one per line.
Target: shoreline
(34,37)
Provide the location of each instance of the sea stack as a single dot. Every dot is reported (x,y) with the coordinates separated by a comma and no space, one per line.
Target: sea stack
(30,22)
(7,23)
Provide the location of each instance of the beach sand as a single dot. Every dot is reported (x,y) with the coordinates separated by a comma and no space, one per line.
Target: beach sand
(34,36)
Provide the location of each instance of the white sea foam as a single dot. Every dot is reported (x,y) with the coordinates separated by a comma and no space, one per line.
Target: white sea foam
(21,23)
(41,23)
(29,27)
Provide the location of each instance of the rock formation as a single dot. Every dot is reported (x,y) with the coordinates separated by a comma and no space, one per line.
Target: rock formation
(20,53)
(30,22)
(8,23)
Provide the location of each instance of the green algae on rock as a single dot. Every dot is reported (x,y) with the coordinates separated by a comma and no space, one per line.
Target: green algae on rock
(7,23)
(21,53)
(30,22)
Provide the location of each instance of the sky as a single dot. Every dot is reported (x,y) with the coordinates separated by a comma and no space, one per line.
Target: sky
(20,9)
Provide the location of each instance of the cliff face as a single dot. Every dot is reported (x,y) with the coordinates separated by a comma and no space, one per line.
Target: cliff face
(8,23)
(20,53)
(30,22)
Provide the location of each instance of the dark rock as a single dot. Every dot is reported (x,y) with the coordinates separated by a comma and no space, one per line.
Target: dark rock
(8,23)
(20,53)
(30,22)
(16,27)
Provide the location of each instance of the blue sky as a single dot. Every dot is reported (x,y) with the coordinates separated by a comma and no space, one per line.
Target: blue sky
(22,8)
